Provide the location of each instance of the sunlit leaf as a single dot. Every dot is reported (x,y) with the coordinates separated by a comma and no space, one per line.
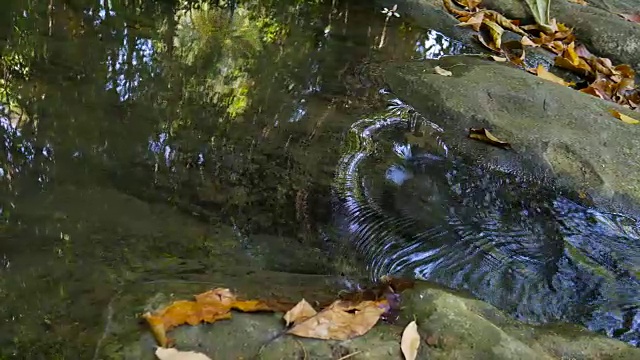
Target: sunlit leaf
(525,41)
(482,134)
(342,320)
(499,58)
(410,341)
(440,71)
(579,2)
(301,312)
(545,74)
(624,118)
(174,354)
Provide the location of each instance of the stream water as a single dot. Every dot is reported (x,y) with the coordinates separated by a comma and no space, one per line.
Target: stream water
(157,139)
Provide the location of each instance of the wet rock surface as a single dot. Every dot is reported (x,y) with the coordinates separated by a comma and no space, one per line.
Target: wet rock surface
(452,326)
(554,130)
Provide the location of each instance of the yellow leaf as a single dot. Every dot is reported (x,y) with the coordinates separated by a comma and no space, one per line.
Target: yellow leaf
(301,312)
(342,320)
(544,74)
(624,118)
(440,71)
(173,354)
(498,58)
(495,30)
(410,341)
(482,134)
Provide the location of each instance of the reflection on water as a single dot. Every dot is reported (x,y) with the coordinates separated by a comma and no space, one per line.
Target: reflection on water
(413,208)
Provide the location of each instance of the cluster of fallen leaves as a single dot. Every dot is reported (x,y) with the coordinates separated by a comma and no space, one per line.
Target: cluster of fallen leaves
(353,315)
(615,83)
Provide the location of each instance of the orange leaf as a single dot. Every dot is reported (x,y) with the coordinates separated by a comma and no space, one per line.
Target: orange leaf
(208,307)
(342,320)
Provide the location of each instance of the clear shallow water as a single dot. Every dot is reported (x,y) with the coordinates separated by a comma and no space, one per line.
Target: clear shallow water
(413,208)
(147,142)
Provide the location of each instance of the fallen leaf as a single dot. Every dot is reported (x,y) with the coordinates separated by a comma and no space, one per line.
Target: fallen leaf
(504,22)
(579,2)
(410,341)
(495,30)
(301,312)
(498,58)
(474,21)
(440,71)
(469,4)
(525,41)
(545,74)
(208,307)
(624,118)
(173,354)
(342,320)
(631,17)
(484,135)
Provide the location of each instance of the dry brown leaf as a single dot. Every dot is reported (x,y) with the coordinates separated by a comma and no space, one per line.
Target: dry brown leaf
(624,118)
(579,2)
(474,21)
(342,320)
(482,134)
(545,74)
(301,312)
(591,90)
(410,341)
(504,22)
(631,17)
(525,41)
(173,354)
(440,71)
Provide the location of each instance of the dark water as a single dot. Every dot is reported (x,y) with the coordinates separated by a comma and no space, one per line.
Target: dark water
(414,208)
(141,137)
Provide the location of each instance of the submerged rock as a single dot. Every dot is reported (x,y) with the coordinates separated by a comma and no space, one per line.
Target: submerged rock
(554,130)
(451,325)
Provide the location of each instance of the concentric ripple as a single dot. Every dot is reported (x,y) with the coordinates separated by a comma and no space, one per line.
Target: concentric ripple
(412,208)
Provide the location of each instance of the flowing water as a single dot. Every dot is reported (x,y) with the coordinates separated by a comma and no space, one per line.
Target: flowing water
(161,139)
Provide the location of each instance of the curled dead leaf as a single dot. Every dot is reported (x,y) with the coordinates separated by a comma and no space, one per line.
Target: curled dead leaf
(440,71)
(410,341)
(482,134)
(624,118)
(495,30)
